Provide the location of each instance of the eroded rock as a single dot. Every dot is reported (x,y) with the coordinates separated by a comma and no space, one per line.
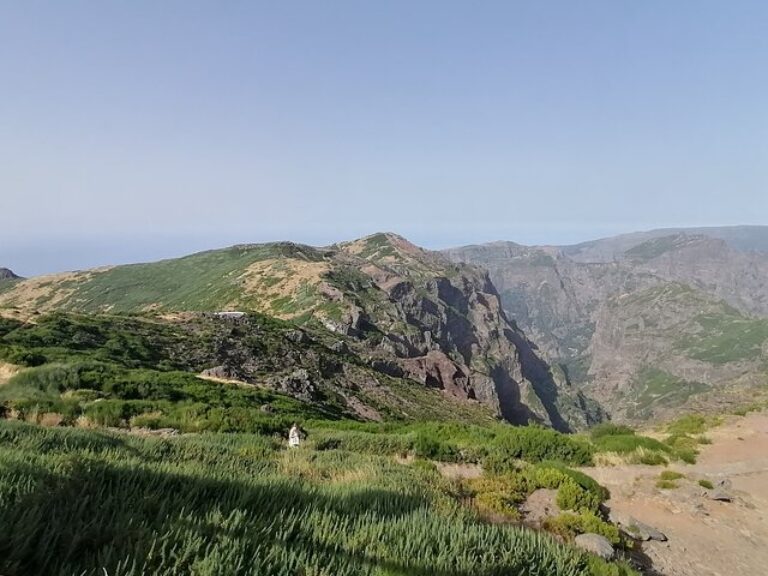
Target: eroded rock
(596,544)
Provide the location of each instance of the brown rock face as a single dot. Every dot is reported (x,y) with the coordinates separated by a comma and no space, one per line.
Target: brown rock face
(444,325)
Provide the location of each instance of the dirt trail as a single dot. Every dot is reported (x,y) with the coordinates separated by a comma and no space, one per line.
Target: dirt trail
(706,537)
(7,371)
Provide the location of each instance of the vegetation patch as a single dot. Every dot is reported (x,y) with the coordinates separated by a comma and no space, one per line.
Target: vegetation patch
(568,525)
(725,337)
(657,387)
(87,502)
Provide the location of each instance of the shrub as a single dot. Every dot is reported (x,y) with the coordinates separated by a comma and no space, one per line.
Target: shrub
(684,447)
(687,455)
(535,444)
(571,496)
(610,429)
(599,567)
(625,443)
(583,480)
(706,484)
(691,424)
(671,475)
(111,413)
(666,484)
(569,525)
(499,494)
(652,458)
(426,446)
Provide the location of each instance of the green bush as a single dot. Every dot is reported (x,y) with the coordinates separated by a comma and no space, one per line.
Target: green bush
(625,443)
(535,444)
(428,447)
(652,458)
(691,424)
(583,480)
(599,567)
(569,525)
(671,475)
(610,429)
(706,484)
(499,494)
(571,496)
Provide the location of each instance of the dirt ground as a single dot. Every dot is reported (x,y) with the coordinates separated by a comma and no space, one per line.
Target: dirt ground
(705,537)
(7,371)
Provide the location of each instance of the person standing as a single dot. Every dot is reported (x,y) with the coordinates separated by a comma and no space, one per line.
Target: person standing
(294,436)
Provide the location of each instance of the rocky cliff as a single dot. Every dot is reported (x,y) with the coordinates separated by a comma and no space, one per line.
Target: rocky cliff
(669,322)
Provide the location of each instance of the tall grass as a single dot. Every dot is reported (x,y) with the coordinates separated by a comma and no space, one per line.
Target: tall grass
(77,502)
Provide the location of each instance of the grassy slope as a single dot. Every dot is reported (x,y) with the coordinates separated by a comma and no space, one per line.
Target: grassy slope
(204,281)
(85,502)
(678,327)
(725,337)
(653,386)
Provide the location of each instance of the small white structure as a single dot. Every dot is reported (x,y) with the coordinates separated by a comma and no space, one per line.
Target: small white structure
(229,315)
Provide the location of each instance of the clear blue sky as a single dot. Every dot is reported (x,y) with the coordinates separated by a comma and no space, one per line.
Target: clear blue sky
(136,130)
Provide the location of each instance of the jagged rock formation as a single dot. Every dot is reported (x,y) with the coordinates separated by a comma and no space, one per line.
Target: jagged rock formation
(407,312)
(645,323)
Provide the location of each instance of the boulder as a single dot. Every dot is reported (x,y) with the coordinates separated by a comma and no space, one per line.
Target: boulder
(635,528)
(720,495)
(595,544)
(340,347)
(298,384)
(297,336)
(223,372)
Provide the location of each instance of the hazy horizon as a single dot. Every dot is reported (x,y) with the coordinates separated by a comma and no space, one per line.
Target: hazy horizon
(137,131)
(72,255)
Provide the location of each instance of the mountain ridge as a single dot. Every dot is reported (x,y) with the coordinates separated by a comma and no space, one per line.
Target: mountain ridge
(412,313)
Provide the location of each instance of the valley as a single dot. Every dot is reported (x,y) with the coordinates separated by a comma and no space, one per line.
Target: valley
(645,323)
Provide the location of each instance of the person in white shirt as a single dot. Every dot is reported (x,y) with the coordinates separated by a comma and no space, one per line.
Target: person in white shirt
(294,436)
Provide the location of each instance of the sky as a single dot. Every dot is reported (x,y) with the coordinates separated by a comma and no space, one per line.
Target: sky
(132,131)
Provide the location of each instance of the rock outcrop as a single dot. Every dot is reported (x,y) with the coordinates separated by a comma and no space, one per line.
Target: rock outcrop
(6,274)
(596,544)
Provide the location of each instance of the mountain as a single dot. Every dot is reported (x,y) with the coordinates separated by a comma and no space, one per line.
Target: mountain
(739,238)
(408,314)
(6,274)
(647,323)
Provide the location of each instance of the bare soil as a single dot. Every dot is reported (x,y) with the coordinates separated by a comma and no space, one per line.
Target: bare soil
(705,537)
(7,371)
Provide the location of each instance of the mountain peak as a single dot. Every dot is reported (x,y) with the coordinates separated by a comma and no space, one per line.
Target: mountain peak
(384,246)
(7,274)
